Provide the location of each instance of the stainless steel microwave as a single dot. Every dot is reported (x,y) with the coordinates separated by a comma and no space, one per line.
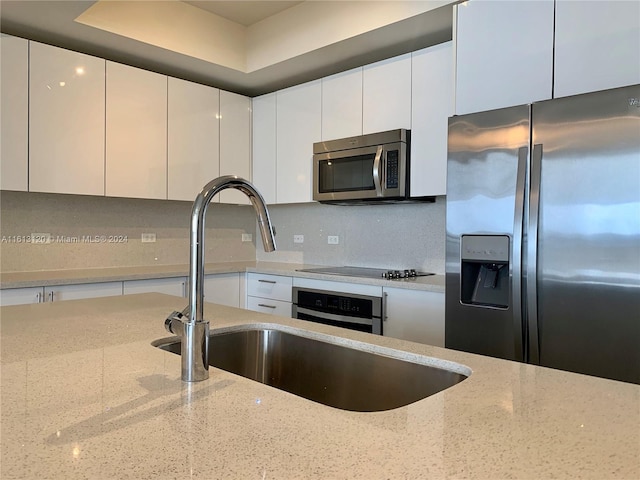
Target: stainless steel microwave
(367,168)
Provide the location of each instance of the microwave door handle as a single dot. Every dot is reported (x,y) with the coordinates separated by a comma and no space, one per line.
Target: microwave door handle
(377,171)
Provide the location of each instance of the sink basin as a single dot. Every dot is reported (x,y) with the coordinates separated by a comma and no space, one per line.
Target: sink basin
(331,374)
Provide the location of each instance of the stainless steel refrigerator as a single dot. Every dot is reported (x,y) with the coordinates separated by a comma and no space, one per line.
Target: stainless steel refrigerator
(543,234)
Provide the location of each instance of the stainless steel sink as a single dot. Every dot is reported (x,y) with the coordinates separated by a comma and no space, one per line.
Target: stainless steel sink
(334,375)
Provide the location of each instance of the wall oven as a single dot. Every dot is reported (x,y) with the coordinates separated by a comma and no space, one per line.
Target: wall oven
(367,168)
(355,312)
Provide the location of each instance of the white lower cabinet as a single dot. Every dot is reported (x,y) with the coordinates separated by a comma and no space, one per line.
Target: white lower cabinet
(83,291)
(414,315)
(23,296)
(269,294)
(171,286)
(222,288)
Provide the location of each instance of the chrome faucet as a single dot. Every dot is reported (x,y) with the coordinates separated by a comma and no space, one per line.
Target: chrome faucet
(189,324)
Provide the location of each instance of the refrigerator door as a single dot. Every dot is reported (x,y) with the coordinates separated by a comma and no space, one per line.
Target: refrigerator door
(487,166)
(584,234)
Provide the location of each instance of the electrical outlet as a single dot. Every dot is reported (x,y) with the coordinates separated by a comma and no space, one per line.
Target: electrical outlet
(247,237)
(148,238)
(333,239)
(298,239)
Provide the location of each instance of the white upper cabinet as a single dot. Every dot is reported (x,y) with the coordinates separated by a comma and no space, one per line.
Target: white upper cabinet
(432,105)
(14,120)
(597,45)
(66,121)
(386,90)
(235,142)
(136,129)
(264,146)
(298,113)
(193,145)
(504,53)
(342,105)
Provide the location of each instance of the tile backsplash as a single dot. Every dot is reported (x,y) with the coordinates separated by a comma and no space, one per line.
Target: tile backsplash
(88,232)
(99,232)
(407,235)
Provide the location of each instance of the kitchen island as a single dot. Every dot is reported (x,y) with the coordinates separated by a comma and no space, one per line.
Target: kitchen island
(86,395)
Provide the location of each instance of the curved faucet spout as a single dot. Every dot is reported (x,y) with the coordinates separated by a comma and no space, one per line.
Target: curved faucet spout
(195,330)
(198,213)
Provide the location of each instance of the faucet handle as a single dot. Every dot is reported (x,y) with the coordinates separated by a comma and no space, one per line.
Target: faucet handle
(175,316)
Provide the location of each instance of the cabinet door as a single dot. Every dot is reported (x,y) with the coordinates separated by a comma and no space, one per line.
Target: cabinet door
(193,144)
(171,286)
(223,288)
(66,121)
(82,291)
(413,315)
(299,127)
(342,105)
(432,93)
(597,46)
(264,146)
(235,142)
(504,53)
(386,88)
(14,120)
(21,296)
(136,161)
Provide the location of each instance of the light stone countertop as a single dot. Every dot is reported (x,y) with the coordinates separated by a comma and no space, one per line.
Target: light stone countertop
(43,278)
(85,395)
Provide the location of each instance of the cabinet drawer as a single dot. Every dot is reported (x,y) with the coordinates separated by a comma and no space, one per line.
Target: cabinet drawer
(274,287)
(266,305)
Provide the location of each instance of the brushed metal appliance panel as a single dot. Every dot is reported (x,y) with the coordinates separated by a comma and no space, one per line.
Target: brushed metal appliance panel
(487,159)
(588,234)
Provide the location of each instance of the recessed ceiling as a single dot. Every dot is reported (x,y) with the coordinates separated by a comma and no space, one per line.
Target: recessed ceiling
(273,44)
(243,12)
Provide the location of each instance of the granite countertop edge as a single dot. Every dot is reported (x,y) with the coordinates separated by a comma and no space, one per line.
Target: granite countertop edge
(47,278)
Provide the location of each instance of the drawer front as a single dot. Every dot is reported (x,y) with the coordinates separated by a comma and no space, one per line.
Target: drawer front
(275,287)
(269,306)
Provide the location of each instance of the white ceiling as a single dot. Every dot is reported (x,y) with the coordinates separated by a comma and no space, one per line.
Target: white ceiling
(243,12)
(287,42)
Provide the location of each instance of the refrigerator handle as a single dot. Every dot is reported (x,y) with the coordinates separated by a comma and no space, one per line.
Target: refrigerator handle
(532,255)
(516,259)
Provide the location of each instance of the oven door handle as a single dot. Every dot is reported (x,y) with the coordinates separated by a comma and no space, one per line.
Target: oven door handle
(377,171)
(337,318)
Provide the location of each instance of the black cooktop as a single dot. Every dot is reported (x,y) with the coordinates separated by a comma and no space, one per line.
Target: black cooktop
(391,274)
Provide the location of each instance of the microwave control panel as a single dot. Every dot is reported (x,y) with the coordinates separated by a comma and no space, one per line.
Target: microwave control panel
(392,169)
